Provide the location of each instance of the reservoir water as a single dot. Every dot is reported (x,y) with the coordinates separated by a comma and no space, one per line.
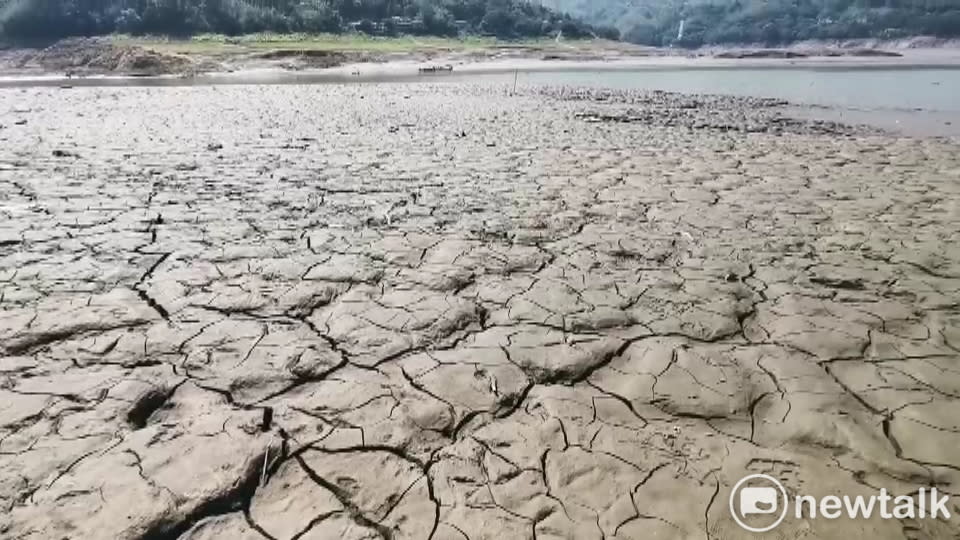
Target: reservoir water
(904,89)
(910,101)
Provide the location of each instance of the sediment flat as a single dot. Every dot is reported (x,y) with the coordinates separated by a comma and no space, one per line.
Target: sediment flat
(349,57)
(454,311)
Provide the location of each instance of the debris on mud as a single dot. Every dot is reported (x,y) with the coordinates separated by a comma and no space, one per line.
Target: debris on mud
(699,112)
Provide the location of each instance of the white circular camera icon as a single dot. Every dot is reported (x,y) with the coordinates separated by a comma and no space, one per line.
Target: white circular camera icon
(763,496)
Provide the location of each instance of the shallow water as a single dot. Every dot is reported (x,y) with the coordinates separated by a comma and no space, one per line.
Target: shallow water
(928,89)
(907,101)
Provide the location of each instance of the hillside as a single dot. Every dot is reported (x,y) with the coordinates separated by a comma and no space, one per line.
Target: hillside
(773,22)
(54,19)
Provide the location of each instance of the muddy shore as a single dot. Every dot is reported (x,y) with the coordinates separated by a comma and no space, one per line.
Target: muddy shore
(91,57)
(455,311)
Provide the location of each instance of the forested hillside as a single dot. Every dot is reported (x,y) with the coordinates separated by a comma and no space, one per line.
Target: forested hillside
(657,22)
(50,19)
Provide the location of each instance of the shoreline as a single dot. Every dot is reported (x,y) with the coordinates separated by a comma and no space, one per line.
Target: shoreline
(409,70)
(145,58)
(907,121)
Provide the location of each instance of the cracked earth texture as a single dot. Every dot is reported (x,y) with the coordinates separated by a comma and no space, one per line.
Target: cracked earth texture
(450,312)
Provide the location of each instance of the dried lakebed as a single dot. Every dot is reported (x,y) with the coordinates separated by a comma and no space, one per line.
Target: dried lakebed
(448,312)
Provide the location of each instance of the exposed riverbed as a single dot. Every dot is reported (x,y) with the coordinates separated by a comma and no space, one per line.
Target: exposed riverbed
(901,98)
(447,311)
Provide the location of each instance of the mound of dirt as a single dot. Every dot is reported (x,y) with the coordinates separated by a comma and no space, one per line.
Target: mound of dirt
(95,56)
(874,52)
(306,58)
(806,53)
(765,53)
(916,42)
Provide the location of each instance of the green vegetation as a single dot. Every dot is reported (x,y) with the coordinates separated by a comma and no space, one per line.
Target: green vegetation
(347,42)
(505,19)
(772,22)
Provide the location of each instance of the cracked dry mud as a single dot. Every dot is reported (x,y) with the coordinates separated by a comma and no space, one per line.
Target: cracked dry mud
(450,312)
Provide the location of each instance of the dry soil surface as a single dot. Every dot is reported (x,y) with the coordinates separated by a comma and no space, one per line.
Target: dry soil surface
(82,57)
(95,56)
(452,312)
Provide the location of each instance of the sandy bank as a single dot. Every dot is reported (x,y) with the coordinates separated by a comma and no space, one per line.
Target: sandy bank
(107,57)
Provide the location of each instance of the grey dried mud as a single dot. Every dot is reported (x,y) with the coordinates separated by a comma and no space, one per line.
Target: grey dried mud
(453,311)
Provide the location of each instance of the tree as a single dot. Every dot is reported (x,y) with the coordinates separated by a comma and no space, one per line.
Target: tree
(498,22)
(52,19)
(437,20)
(644,34)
